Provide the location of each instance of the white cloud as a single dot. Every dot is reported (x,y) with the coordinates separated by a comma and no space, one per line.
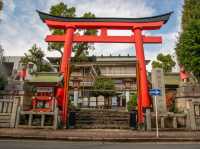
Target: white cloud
(27,29)
(116,8)
(10,5)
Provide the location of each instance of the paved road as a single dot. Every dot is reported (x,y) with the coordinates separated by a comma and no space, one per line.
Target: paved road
(28,144)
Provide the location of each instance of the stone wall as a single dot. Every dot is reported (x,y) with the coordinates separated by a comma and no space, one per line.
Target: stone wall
(188,101)
(185,94)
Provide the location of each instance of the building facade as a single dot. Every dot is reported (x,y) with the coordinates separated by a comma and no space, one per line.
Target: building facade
(120,69)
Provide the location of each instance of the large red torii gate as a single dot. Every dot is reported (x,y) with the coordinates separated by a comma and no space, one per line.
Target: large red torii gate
(136,25)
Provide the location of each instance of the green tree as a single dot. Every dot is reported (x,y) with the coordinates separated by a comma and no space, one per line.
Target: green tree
(79,49)
(3,78)
(191,12)
(188,46)
(164,61)
(3,81)
(104,87)
(132,103)
(35,55)
(1,5)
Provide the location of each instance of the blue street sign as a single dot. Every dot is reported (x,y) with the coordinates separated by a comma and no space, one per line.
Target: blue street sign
(155,92)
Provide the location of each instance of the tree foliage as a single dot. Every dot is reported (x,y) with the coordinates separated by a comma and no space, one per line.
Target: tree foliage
(1,54)
(3,79)
(104,87)
(1,5)
(79,49)
(132,103)
(35,55)
(188,46)
(164,61)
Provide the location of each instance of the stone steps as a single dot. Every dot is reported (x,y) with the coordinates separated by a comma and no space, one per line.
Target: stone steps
(100,119)
(81,126)
(5,120)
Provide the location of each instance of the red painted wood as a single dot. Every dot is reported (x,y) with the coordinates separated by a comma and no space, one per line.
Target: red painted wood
(139,103)
(108,25)
(104,32)
(64,69)
(104,39)
(142,67)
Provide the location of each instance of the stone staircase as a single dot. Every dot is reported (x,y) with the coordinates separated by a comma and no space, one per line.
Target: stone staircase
(102,119)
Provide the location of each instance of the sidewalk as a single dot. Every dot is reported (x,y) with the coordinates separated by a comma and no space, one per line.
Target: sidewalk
(116,135)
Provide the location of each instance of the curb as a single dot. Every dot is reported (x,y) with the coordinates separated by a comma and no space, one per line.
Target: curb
(76,139)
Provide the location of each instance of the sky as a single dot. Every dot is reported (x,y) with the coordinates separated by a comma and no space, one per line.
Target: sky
(21,26)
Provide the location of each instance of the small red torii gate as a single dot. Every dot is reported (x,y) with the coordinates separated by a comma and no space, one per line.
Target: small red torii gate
(136,25)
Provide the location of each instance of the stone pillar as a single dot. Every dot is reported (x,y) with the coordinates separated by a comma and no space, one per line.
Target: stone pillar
(192,116)
(127,94)
(162,122)
(127,84)
(148,119)
(174,122)
(121,101)
(76,84)
(75,97)
(158,82)
(188,120)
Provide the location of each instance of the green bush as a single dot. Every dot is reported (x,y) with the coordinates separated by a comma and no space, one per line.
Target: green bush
(132,103)
(3,82)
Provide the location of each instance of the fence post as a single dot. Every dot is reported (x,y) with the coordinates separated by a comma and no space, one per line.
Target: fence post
(188,120)
(192,116)
(42,120)
(55,122)
(148,119)
(162,122)
(18,117)
(14,112)
(174,122)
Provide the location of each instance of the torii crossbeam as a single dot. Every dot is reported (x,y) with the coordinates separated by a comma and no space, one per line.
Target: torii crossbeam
(136,25)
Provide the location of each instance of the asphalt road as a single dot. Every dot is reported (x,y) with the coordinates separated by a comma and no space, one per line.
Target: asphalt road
(29,144)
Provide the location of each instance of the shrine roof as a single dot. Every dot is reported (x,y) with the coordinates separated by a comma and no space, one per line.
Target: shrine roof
(162,17)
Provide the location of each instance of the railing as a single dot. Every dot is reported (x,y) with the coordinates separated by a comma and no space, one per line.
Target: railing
(8,109)
(196,106)
(188,100)
(100,103)
(35,119)
(170,121)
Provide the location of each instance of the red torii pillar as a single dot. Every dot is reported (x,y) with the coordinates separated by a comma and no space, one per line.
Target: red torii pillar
(134,24)
(65,68)
(143,97)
